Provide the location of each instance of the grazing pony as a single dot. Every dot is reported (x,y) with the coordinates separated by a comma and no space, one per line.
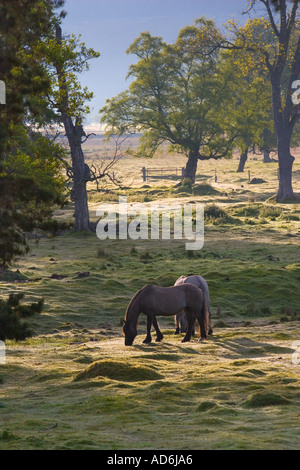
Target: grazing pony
(180,318)
(166,301)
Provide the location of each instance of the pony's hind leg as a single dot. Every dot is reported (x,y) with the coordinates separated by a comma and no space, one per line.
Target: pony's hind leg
(202,323)
(159,334)
(203,334)
(190,325)
(180,323)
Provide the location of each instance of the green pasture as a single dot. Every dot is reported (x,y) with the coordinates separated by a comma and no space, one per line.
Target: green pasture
(74,384)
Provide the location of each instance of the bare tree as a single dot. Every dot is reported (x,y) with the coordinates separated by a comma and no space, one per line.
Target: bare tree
(102,169)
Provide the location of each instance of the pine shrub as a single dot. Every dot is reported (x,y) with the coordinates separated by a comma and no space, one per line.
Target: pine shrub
(12,314)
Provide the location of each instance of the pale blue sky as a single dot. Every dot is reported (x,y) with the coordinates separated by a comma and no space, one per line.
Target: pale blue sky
(110,26)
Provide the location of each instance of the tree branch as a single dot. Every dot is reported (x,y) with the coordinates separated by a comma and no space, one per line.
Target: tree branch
(292,18)
(87,136)
(229,45)
(271,17)
(103,170)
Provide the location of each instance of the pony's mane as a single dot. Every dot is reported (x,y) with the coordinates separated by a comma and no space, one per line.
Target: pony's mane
(138,293)
(130,305)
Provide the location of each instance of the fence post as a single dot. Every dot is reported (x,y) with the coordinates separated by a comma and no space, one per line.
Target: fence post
(144,173)
(182,172)
(216,178)
(249,177)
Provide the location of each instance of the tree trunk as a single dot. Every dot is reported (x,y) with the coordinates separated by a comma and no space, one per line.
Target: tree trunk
(284,131)
(243,159)
(286,160)
(191,166)
(267,158)
(81,215)
(74,133)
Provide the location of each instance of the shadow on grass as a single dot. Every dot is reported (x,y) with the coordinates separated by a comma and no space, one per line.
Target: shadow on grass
(246,347)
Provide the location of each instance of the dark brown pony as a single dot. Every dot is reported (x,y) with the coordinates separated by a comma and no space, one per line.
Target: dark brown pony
(165,301)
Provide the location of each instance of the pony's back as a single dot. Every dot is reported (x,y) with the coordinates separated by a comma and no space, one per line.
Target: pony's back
(201,283)
(197,281)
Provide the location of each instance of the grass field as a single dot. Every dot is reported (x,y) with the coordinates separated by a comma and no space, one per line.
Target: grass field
(74,385)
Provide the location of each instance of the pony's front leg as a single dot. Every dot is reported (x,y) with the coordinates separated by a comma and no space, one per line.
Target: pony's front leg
(159,334)
(148,338)
(177,330)
(190,322)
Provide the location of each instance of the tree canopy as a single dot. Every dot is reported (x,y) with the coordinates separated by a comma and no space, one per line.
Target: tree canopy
(23,24)
(281,59)
(249,112)
(30,178)
(176,96)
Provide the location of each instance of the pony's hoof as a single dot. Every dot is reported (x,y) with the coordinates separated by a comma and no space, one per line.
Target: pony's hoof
(158,340)
(202,340)
(147,341)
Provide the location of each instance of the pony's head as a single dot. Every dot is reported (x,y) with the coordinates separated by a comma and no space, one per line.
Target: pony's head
(129,331)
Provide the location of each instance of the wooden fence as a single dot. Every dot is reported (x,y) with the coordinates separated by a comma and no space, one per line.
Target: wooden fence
(147,172)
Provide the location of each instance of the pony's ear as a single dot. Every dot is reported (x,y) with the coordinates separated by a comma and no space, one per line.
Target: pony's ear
(123,322)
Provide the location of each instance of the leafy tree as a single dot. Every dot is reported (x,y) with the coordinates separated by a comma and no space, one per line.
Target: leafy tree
(250,112)
(176,96)
(247,113)
(33,155)
(27,193)
(65,57)
(23,24)
(31,185)
(281,17)
(268,141)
